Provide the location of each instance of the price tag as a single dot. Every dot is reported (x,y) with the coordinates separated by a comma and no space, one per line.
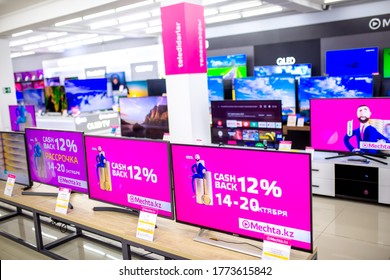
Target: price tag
(276,248)
(291,120)
(285,145)
(9,186)
(146,224)
(301,122)
(63,198)
(311,151)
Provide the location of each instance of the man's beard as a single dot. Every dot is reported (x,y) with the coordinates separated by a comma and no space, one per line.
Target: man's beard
(364,119)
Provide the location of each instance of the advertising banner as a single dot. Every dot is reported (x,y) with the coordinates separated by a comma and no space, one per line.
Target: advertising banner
(57,158)
(246,192)
(22,116)
(129,173)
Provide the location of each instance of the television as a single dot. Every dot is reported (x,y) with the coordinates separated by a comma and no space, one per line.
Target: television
(228,66)
(297,70)
(53,81)
(361,61)
(337,124)
(55,99)
(243,192)
(268,88)
(121,171)
(215,88)
(144,117)
(21,117)
(56,158)
(33,96)
(247,123)
(87,95)
(156,87)
(13,157)
(386,63)
(332,87)
(137,88)
(117,79)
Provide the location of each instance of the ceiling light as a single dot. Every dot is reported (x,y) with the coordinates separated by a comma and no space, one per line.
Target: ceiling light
(239,6)
(36,39)
(100,14)
(211,2)
(30,47)
(222,18)
(274,9)
(331,1)
(133,6)
(70,21)
(92,41)
(102,24)
(66,40)
(154,29)
(18,43)
(17,54)
(135,26)
(112,38)
(134,17)
(21,33)
(47,44)
(210,12)
(52,35)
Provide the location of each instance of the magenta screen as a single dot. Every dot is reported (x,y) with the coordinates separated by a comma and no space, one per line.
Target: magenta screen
(129,173)
(351,125)
(250,193)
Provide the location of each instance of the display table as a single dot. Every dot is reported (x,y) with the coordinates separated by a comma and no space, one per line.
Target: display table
(171,240)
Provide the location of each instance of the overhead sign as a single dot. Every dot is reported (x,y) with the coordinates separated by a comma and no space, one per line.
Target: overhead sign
(144,70)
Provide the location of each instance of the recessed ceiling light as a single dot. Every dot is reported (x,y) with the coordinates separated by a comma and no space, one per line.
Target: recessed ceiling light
(100,14)
(70,21)
(21,33)
(133,6)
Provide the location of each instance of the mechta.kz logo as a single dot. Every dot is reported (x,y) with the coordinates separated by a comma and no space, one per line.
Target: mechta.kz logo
(376,23)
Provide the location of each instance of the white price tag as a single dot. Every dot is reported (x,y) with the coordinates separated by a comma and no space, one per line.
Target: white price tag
(301,122)
(63,198)
(146,224)
(276,248)
(285,145)
(291,120)
(9,186)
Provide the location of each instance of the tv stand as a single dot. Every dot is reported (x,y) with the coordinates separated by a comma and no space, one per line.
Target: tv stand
(365,160)
(118,210)
(52,194)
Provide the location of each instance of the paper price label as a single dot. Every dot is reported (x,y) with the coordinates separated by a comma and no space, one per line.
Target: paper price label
(9,186)
(146,224)
(63,198)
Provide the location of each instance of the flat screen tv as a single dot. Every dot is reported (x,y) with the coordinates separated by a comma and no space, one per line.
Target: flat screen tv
(121,172)
(137,88)
(55,99)
(144,117)
(53,81)
(361,61)
(243,192)
(22,116)
(386,63)
(57,158)
(332,87)
(246,123)
(215,88)
(117,79)
(346,125)
(87,95)
(228,66)
(298,70)
(268,88)
(156,87)
(13,157)
(33,96)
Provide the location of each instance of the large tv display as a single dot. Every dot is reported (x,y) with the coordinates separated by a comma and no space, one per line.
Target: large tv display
(87,95)
(33,96)
(244,192)
(359,125)
(57,158)
(117,80)
(268,88)
(246,123)
(228,66)
(144,117)
(122,171)
(298,70)
(55,99)
(137,88)
(22,116)
(215,88)
(13,157)
(386,63)
(362,61)
(156,87)
(332,87)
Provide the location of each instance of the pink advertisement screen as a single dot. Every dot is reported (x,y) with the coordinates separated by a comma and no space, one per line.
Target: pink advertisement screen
(130,173)
(22,117)
(251,193)
(351,125)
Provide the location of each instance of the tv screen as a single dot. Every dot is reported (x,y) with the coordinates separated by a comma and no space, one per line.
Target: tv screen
(55,99)
(87,95)
(121,172)
(332,87)
(34,97)
(351,125)
(116,79)
(53,81)
(228,66)
(57,158)
(13,157)
(246,123)
(362,61)
(215,88)
(236,196)
(144,117)
(299,70)
(268,88)
(21,117)
(137,88)
(156,87)
(386,63)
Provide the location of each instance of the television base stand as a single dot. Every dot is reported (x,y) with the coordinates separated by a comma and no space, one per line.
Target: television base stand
(364,159)
(44,194)
(241,247)
(116,209)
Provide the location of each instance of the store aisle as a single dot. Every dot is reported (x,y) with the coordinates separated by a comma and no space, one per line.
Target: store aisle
(343,230)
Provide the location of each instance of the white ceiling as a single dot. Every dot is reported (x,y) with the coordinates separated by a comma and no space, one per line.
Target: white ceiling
(136,19)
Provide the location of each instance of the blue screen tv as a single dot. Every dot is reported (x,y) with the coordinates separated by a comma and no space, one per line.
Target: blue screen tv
(332,87)
(298,70)
(215,88)
(227,66)
(362,61)
(87,95)
(268,88)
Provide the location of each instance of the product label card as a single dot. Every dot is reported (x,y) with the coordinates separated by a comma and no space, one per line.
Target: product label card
(285,145)
(146,224)
(63,200)
(9,186)
(291,120)
(301,122)
(276,248)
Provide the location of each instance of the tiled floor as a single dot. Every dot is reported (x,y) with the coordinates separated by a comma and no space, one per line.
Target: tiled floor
(343,230)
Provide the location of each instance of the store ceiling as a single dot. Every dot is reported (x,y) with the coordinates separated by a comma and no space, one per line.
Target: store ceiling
(140,19)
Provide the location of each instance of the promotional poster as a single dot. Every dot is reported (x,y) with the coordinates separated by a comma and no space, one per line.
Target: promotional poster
(57,158)
(252,194)
(129,173)
(22,116)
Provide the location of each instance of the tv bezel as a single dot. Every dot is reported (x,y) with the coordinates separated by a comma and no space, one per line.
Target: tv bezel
(123,138)
(311,250)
